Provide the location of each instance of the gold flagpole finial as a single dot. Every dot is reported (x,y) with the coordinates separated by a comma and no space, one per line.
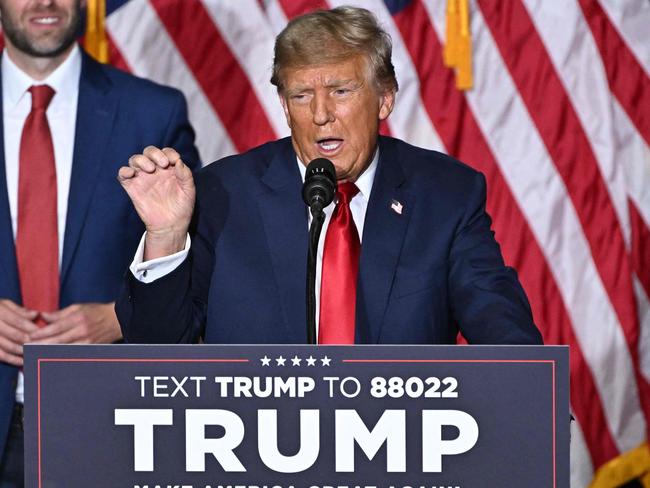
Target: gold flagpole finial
(628,466)
(95,42)
(458,46)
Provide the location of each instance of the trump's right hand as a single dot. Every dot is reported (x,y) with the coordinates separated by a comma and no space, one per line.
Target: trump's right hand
(162,190)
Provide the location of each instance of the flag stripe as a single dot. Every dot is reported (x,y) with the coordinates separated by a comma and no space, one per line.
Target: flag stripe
(543,292)
(115,55)
(545,298)
(582,469)
(568,146)
(631,19)
(541,287)
(633,156)
(294,8)
(527,165)
(275,15)
(251,40)
(221,77)
(627,79)
(640,246)
(585,84)
(571,152)
(643,303)
(150,52)
(565,30)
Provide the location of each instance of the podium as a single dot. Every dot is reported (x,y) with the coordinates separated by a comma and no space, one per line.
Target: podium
(207,416)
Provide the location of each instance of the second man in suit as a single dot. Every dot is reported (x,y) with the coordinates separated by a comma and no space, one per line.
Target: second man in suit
(66,228)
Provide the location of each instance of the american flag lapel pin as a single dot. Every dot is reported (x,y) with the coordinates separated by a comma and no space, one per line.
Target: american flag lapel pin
(397,207)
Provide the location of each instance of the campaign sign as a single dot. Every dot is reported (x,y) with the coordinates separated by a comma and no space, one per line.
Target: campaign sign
(296,416)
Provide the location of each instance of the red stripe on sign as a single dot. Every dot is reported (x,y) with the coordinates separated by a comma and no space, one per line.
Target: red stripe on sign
(217,71)
(563,135)
(294,8)
(640,247)
(115,56)
(463,137)
(627,79)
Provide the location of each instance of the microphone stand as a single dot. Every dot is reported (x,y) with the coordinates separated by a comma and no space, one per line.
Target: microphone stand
(317,192)
(318,217)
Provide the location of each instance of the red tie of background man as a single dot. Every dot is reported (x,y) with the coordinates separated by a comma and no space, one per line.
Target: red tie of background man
(340,269)
(37,242)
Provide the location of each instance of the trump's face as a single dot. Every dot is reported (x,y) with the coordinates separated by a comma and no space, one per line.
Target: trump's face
(334,111)
(40,28)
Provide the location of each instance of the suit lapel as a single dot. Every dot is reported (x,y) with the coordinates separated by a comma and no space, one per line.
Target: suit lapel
(95,114)
(383,235)
(8,266)
(284,215)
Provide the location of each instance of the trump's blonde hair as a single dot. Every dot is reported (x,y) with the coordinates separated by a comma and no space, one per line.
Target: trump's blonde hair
(331,36)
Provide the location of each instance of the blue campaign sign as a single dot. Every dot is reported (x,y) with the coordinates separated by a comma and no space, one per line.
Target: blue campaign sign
(296,416)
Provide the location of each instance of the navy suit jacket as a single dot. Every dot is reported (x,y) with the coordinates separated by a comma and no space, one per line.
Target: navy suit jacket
(117,115)
(424,274)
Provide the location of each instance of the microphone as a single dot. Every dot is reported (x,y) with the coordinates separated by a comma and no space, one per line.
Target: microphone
(317,192)
(320,185)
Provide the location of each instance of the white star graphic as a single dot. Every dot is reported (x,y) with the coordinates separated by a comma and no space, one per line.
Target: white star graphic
(295,361)
(311,361)
(325,361)
(265,360)
(280,361)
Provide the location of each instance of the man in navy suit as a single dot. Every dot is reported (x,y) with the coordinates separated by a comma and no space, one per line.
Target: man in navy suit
(97,117)
(428,267)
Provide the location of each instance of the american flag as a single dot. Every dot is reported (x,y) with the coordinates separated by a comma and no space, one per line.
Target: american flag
(558,120)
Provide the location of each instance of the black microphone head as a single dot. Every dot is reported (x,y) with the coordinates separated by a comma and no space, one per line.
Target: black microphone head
(320,184)
(320,166)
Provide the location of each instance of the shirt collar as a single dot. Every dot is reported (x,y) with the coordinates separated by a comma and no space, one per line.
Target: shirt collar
(64,79)
(364,182)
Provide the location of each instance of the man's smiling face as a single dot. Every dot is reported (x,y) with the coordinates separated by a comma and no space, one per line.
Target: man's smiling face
(40,28)
(334,111)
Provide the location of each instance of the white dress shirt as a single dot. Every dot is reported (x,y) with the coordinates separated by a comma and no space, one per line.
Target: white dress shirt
(61,116)
(148,271)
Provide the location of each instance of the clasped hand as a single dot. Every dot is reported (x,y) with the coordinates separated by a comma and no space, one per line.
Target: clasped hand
(87,323)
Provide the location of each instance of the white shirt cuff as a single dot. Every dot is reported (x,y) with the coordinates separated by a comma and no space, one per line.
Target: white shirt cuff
(148,271)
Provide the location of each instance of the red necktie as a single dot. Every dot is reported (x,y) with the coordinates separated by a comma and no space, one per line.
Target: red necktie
(338,292)
(37,242)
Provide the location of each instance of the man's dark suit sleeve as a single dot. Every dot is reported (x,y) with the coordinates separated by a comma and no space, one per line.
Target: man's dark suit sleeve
(182,295)
(487,300)
(179,135)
